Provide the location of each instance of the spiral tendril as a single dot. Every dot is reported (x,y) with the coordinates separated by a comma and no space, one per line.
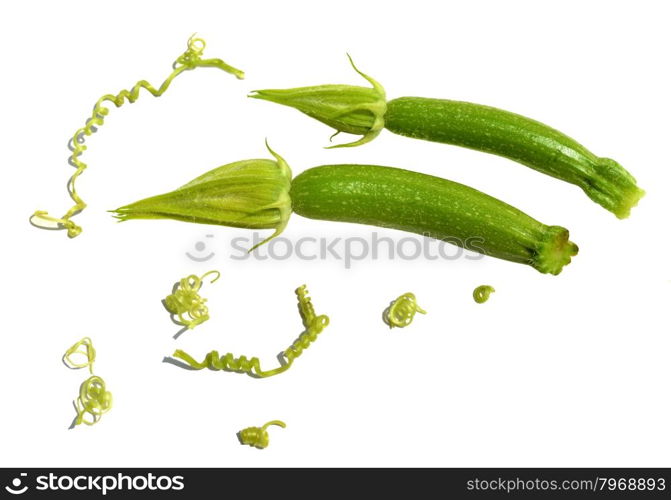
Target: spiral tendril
(94,399)
(481,294)
(186,300)
(401,311)
(88,350)
(313,324)
(258,436)
(190,59)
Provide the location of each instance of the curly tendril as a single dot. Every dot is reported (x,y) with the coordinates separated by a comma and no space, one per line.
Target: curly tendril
(190,59)
(401,311)
(481,294)
(258,436)
(313,324)
(87,350)
(186,300)
(94,399)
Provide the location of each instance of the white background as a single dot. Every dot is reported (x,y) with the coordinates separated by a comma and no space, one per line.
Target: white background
(553,371)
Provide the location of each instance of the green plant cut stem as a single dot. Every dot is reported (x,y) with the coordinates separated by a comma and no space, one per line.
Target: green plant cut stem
(365,111)
(481,294)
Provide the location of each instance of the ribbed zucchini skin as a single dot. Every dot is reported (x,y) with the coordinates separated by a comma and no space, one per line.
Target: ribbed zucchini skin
(518,138)
(432,206)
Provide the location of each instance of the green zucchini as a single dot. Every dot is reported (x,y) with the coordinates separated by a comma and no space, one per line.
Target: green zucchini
(259,194)
(365,111)
(431,206)
(518,138)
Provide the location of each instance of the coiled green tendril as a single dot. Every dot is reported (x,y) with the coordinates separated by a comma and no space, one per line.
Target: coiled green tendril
(186,300)
(94,399)
(87,350)
(313,324)
(189,60)
(258,436)
(402,311)
(481,294)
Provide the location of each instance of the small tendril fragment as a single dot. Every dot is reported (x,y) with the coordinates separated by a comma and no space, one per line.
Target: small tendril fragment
(401,311)
(186,300)
(258,436)
(94,399)
(189,60)
(313,324)
(87,350)
(481,294)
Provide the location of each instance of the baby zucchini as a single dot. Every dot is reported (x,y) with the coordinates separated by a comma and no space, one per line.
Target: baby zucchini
(259,194)
(518,138)
(431,206)
(365,111)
